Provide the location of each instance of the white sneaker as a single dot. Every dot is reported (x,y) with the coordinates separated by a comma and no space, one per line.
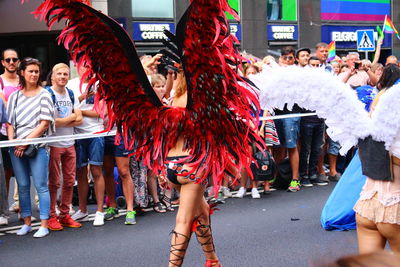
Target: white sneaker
(3,220)
(42,232)
(254,193)
(24,230)
(71,210)
(98,219)
(241,192)
(227,193)
(14,207)
(79,215)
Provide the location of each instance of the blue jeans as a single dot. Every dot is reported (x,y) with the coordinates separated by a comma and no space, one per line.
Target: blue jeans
(90,151)
(37,166)
(288,131)
(333,147)
(312,139)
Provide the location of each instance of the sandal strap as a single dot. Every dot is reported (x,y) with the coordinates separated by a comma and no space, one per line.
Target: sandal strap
(175,250)
(203,232)
(167,202)
(158,207)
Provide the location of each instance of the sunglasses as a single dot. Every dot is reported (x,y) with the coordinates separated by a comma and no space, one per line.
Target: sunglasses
(288,57)
(13,59)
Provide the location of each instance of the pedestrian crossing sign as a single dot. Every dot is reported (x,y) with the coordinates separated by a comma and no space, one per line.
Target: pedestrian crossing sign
(365,41)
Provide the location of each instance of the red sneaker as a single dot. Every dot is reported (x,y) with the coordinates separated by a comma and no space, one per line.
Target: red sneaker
(213,263)
(67,221)
(54,224)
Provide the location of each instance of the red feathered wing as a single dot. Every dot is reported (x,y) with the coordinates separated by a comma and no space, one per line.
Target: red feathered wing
(217,124)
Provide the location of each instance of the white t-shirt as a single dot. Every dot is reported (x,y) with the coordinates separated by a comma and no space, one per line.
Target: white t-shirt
(62,109)
(89,124)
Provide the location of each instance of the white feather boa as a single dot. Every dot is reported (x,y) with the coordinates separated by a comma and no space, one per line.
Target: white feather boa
(386,117)
(315,89)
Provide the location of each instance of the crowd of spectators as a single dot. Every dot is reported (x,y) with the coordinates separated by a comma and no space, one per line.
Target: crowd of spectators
(59,107)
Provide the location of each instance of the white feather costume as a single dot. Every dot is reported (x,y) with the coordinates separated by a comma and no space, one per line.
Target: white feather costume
(346,118)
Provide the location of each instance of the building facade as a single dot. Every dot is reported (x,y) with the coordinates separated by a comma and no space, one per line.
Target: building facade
(264,28)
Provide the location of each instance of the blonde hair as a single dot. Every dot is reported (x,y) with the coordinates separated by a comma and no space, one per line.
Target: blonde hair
(181,86)
(60,66)
(157,78)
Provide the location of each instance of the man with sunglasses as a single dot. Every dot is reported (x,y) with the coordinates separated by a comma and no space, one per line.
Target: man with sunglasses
(9,83)
(288,129)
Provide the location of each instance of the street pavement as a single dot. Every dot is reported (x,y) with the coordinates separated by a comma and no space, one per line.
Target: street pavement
(281,229)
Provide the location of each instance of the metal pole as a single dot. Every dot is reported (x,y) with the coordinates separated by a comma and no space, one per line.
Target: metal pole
(366,54)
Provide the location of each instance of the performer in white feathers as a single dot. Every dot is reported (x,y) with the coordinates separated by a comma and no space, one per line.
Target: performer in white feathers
(377,134)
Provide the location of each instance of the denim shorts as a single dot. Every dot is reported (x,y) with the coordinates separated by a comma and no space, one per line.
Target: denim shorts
(90,151)
(288,131)
(333,147)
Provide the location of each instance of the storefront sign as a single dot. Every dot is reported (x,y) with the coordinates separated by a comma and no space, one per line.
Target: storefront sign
(282,32)
(346,36)
(236,29)
(146,31)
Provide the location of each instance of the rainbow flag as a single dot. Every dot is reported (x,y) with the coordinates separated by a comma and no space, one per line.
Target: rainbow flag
(331,51)
(388,27)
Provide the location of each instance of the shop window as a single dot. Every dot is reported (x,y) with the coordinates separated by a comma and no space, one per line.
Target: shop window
(282,10)
(153,9)
(235,4)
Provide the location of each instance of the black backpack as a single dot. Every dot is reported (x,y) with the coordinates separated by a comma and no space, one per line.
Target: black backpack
(264,167)
(284,176)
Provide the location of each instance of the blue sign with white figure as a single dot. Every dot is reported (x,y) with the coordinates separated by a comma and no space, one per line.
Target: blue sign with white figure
(365,41)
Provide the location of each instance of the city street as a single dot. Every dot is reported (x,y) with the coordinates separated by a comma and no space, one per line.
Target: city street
(281,229)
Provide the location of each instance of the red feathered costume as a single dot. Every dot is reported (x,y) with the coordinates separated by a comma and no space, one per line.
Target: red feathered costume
(220,119)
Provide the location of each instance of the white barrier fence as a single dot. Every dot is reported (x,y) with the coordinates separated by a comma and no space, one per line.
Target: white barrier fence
(52,139)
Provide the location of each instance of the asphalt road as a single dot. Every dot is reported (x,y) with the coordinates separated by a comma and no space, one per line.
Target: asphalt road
(281,229)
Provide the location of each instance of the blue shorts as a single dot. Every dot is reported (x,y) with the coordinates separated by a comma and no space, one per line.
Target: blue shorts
(90,151)
(110,149)
(333,147)
(121,151)
(288,131)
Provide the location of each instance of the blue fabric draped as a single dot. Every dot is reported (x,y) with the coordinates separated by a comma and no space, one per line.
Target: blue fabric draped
(338,213)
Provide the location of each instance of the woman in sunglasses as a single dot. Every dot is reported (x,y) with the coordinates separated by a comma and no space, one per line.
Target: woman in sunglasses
(31,115)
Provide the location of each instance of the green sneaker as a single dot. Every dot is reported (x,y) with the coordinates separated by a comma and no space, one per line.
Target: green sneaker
(111,213)
(294,186)
(130,218)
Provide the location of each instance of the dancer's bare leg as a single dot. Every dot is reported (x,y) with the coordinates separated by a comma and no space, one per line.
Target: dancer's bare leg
(392,234)
(203,230)
(368,236)
(191,196)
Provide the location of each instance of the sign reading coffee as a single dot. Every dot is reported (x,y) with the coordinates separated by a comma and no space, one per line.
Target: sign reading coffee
(143,31)
(282,32)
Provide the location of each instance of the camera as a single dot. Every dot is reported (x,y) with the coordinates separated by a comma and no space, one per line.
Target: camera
(357,65)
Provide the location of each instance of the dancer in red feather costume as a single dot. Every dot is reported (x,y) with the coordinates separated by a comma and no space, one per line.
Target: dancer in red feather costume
(209,126)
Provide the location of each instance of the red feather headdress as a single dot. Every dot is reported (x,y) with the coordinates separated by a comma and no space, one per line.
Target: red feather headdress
(221,117)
